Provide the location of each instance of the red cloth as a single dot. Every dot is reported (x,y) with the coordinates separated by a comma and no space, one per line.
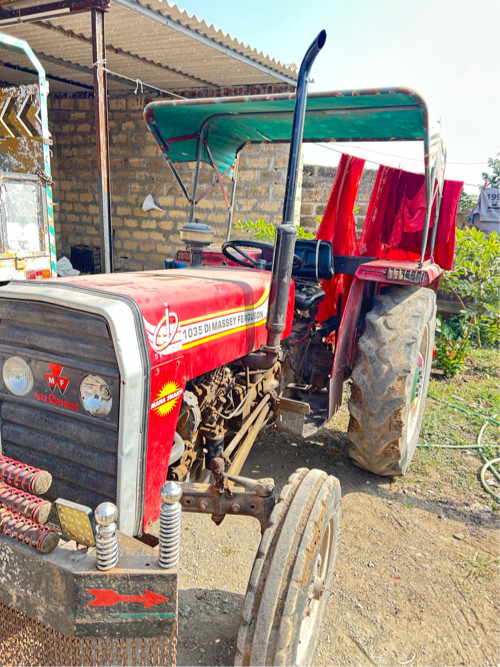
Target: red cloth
(396,218)
(393,225)
(338,227)
(373,237)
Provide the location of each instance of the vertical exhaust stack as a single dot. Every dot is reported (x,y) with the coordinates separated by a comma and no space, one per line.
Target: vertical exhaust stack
(286,232)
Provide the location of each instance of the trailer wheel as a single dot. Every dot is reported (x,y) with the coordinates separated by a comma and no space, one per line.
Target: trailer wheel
(390,380)
(290,580)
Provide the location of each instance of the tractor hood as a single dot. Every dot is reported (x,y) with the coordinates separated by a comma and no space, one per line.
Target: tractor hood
(210,316)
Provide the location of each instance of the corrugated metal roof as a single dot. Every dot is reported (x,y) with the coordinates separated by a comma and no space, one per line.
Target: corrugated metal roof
(154,42)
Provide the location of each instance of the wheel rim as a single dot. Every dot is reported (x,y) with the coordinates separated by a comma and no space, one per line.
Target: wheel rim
(316,592)
(418,386)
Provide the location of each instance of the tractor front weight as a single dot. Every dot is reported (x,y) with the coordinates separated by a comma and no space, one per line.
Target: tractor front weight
(114,603)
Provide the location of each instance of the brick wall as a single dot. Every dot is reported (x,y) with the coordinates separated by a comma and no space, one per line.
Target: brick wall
(316,187)
(261,182)
(142,240)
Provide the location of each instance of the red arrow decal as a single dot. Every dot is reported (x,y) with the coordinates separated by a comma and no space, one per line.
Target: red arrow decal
(105,597)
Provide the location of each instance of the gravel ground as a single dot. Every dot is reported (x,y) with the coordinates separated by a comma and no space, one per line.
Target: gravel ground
(416,580)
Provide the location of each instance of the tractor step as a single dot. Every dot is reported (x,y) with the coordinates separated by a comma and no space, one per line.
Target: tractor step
(302,418)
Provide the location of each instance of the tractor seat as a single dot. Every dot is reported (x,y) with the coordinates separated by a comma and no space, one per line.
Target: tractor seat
(317,258)
(307,295)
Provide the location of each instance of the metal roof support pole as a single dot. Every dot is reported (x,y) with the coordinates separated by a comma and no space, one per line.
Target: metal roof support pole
(196,174)
(440,188)
(428,185)
(233,199)
(102,138)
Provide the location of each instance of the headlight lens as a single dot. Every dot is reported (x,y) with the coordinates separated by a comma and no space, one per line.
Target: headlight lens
(17,376)
(96,396)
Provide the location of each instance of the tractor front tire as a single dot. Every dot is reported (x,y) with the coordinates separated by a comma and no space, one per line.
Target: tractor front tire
(390,379)
(290,580)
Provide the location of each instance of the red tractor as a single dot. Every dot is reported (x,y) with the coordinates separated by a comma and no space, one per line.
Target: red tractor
(113,384)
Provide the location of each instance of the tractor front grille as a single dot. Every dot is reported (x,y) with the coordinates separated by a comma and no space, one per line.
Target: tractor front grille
(49,427)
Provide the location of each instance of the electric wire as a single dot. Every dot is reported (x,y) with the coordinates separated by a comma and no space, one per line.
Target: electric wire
(398,157)
(138,83)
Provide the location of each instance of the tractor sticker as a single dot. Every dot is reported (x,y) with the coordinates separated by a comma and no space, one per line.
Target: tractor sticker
(106,597)
(215,327)
(167,398)
(165,338)
(170,335)
(407,275)
(55,379)
(58,402)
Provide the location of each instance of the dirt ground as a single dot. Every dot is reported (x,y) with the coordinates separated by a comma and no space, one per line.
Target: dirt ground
(416,581)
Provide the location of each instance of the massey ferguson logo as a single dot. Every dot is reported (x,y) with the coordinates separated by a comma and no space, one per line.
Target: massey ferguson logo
(55,379)
(165,337)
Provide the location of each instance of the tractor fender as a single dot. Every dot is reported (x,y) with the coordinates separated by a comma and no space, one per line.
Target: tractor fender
(366,279)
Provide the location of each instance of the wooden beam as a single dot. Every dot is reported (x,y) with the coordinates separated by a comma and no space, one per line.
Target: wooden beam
(102,136)
(47,10)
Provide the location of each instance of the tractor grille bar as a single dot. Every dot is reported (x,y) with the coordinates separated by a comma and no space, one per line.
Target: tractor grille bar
(49,428)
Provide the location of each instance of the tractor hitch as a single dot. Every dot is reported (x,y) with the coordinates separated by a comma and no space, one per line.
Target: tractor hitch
(221,498)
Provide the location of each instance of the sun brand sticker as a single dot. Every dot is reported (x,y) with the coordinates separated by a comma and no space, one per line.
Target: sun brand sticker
(167,398)
(165,337)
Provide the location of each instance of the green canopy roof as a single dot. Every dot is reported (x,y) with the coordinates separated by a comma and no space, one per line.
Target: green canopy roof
(228,123)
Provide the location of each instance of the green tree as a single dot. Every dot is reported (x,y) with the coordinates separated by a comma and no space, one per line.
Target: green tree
(466,202)
(492,177)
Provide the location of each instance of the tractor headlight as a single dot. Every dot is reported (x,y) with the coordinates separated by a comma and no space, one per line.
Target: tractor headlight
(95,396)
(18,376)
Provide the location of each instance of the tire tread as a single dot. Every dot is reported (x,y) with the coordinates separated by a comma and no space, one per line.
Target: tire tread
(383,376)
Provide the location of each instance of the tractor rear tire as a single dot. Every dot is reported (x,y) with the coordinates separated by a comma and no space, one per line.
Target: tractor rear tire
(290,580)
(390,379)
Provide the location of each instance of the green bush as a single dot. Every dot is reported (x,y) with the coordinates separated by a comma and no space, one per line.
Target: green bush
(475,281)
(451,348)
(266,231)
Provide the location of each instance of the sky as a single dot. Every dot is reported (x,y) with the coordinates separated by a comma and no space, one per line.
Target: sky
(447,50)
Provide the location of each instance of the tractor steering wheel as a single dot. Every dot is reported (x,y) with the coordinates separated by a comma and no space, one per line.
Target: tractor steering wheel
(250,262)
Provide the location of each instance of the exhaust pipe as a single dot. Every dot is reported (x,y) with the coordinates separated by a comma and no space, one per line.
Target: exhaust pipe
(285,232)
(299,116)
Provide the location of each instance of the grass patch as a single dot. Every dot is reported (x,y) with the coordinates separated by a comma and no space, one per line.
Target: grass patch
(228,551)
(476,391)
(408,505)
(476,388)
(480,567)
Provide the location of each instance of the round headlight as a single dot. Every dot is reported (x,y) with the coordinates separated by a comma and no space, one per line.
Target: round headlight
(17,376)
(95,396)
